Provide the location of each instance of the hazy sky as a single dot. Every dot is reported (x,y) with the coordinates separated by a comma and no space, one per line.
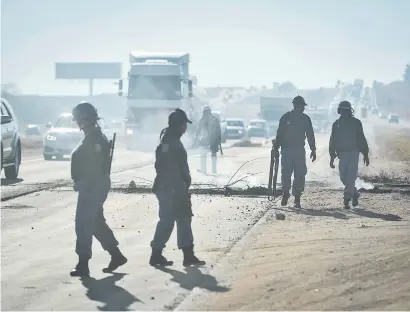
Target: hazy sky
(310,42)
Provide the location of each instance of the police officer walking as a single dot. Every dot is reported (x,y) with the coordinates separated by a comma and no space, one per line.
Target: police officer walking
(294,127)
(347,141)
(90,163)
(171,186)
(209,137)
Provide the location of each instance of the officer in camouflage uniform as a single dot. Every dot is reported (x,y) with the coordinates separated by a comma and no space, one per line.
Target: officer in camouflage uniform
(347,141)
(90,173)
(209,137)
(294,127)
(171,186)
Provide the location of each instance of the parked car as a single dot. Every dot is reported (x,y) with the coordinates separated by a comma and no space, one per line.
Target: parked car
(393,118)
(235,129)
(382,116)
(62,138)
(10,141)
(33,130)
(258,128)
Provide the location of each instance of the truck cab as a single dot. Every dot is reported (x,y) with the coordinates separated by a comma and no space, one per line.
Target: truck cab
(158,83)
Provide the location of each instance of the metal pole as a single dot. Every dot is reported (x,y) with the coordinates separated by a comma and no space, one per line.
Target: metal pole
(91,87)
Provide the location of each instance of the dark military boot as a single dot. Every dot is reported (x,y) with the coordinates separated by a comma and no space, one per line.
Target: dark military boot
(190,258)
(157,259)
(297,201)
(81,269)
(117,260)
(355,200)
(285,198)
(346,203)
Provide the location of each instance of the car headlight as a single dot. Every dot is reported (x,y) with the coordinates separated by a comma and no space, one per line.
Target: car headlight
(50,137)
(239,131)
(130,131)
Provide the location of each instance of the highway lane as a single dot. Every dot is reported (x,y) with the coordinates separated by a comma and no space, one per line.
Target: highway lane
(38,242)
(36,173)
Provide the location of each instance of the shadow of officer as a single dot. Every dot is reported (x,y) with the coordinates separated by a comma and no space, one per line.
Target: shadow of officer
(114,297)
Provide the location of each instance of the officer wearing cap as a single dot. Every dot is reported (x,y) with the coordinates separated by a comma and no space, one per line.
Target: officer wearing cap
(90,174)
(347,141)
(294,128)
(171,186)
(209,137)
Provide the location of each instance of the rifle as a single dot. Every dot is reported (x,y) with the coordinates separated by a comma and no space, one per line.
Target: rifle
(273,171)
(112,145)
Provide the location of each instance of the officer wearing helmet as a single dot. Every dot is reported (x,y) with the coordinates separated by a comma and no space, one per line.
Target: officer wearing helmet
(90,174)
(209,137)
(171,186)
(347,141)
(294,128)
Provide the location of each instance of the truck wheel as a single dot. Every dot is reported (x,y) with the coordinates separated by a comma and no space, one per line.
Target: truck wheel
(12,172)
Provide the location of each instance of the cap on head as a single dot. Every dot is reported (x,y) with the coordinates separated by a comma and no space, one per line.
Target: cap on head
(177,118)
(345,105)
(299,100)
(85,111)
(207,108)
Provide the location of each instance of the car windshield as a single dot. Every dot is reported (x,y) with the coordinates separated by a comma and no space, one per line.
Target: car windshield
(258,124)
(65,122)
(68,122)
(234,123)
(155,87)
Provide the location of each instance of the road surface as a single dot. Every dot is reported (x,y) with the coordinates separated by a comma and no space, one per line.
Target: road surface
(38,242)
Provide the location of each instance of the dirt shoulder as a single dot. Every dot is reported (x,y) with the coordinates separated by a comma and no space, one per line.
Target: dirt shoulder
(320,258)
(323,257)
(390,156)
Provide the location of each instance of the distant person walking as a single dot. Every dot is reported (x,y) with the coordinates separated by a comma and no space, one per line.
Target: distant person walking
(347,141)
(294,127)
(209,138)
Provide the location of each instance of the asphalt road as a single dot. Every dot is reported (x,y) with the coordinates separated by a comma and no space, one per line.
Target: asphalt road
(38,237)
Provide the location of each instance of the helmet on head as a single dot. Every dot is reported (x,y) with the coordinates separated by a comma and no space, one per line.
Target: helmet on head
(85,112)
(299,100)
(345,105)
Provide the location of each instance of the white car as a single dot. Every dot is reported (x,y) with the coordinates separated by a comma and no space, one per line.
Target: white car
(258,128)
(62,138)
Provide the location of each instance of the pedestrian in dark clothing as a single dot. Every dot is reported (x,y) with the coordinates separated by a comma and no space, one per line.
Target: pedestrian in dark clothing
(347,141)
(90,163)
(171,186)
(294,127)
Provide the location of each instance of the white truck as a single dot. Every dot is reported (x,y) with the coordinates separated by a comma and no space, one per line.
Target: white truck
(158,83)
(272,109)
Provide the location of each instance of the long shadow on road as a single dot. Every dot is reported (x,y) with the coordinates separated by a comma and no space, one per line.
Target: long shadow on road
(334,213)
(194,278)
(114,297)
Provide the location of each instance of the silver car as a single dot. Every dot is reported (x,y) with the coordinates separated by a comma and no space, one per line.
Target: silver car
(62,138)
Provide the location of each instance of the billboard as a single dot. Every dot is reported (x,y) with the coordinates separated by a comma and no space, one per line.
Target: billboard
(88,70)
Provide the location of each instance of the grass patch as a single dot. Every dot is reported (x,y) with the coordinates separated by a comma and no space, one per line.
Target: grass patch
(395,145)
(384,177)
